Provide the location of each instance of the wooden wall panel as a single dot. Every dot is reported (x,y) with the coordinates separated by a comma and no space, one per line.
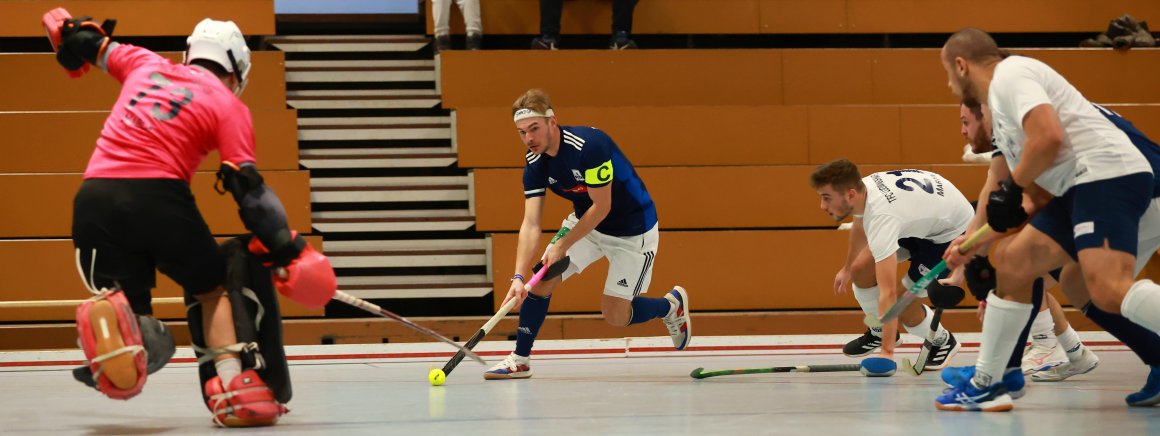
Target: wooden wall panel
(73,137)
(803,16)
(143,17)
(946,16)
(652,136)
(35,82)
(764,77)
(40,205)
(594,17)
(613,78)
(702,197)
(722,270)
(39,270)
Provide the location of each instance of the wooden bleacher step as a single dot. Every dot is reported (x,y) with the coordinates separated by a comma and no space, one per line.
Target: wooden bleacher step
(368,128)
(363,99)
(403,157)
(349,43)
(385,189)
(361,71)
(407,253)
(388,189)
(426,286)
(393,220)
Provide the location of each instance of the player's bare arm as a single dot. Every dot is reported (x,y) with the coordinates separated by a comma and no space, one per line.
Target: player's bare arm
(886,271)
(601,205)
(526,248)
(1044,140)
(857,243)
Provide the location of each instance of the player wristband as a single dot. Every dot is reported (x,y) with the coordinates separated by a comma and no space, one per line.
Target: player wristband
(518,276)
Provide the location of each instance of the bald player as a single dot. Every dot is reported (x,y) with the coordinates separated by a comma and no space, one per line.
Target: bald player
(1100,187)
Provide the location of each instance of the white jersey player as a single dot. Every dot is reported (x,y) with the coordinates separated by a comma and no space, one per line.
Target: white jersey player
(898,215)
(1101,185)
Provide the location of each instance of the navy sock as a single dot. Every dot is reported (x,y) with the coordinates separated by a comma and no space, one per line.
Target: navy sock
(532,314)
(1036,301)
(1145,343)
(647,309)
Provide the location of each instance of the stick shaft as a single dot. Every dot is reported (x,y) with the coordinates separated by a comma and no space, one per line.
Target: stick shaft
(779,369)
(503,311)
(928,342)
(930,276)
(375,309)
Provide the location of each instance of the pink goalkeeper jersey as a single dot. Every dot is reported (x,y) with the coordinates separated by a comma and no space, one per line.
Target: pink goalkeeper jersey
(167,119)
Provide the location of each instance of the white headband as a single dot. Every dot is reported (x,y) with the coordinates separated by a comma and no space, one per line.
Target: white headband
(528,113)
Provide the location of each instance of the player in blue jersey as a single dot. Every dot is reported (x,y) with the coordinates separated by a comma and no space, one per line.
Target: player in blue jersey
(613,217)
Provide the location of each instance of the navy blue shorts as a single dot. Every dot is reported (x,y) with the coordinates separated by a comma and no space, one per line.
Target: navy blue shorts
(924,255)
(1091,213)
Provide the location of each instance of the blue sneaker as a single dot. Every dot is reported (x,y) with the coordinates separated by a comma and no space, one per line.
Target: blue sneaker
(967,397)
(1149,395)
(958,375)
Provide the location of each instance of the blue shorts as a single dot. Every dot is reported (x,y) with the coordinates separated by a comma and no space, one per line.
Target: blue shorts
(924,255)
(1091,213)
(1150,150)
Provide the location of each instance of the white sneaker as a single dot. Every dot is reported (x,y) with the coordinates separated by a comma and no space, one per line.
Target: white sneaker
(677,321)
(1086,363)
(1038,357)
(514,366)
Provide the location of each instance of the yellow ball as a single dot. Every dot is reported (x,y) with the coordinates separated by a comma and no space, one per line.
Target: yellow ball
(436,377)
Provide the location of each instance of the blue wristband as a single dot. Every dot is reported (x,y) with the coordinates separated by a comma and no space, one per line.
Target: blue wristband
(518,276)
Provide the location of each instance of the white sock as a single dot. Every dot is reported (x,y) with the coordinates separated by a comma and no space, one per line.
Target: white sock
(1141,304)
(868,299)
(1043,329)
(923,328)
(227,369)
(1071,344)
(1001,327)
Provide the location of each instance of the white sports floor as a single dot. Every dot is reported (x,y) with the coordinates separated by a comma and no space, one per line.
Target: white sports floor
(587,388)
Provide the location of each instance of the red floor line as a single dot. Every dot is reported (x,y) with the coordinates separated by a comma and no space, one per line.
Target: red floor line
(564,352)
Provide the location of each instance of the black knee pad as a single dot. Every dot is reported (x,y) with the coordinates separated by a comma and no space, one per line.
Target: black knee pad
(943,296)
(257,321)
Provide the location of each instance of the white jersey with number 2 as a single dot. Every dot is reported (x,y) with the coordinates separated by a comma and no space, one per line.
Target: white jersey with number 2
(912,204)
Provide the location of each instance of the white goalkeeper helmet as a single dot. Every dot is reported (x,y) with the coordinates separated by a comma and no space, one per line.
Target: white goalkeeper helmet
(223,43)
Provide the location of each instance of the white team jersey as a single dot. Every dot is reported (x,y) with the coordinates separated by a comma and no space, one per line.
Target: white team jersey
(1093,148)
(912,204)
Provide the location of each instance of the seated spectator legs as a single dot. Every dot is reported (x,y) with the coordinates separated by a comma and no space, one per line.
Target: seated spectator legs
(622,24)
(550,13)
(472,22)
(441,13)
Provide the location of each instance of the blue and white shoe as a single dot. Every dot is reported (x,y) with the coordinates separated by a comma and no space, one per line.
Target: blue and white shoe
(1149,395)
(514,366)
(968,398)
(1013,380)
(678,322)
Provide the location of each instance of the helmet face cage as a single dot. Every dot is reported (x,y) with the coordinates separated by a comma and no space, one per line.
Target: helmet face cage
(223,43)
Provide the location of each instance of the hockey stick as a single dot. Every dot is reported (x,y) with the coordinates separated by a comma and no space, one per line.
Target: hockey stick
(541,273)
(700,373)
(375,309)
(948,296)
(919,364)
(338,295)
(548,273)
(912,293)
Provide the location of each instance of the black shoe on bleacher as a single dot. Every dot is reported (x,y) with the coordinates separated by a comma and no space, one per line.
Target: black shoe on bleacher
(544,43)
(620,41)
